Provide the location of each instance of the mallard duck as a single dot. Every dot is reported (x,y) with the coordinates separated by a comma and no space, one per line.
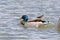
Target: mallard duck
(37,22)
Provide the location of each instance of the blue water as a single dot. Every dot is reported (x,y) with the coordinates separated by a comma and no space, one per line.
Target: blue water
(10,10)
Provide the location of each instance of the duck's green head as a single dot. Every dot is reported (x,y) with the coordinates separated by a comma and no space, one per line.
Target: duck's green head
(25,18)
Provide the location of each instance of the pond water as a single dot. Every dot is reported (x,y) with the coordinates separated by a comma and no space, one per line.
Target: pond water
(10,10)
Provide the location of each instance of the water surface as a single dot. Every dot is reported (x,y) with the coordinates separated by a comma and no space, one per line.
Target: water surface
(10,10)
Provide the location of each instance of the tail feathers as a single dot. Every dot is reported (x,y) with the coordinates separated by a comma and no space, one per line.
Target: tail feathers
(40,16)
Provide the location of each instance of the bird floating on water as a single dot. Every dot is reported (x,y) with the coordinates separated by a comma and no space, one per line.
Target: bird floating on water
(37,22)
